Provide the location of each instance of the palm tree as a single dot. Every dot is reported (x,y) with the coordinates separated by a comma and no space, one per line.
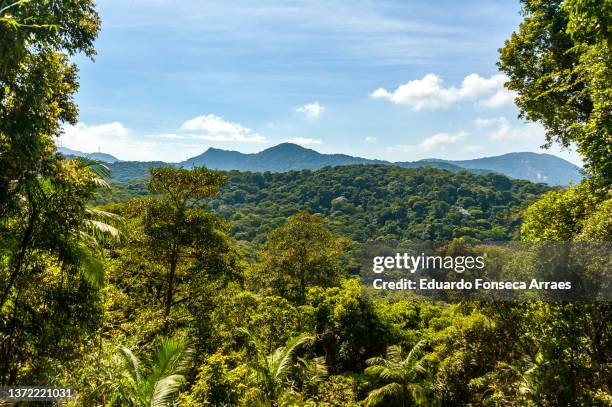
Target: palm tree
(79,247)
(275,373)
(401,373)
(155,385)
(84,245)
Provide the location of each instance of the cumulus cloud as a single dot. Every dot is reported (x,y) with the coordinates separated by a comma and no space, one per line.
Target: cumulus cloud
(311,110)
(498,128)
(502,97)
(429,93)
(214,128)
(116,139)
(432,143)
(370,139)
(441,139)
(305,141)
(90,138)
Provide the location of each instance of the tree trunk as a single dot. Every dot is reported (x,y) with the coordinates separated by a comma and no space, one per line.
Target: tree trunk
(170,287)
(23,248)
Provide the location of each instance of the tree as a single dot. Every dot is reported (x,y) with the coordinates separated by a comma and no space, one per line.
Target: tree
(45,256)
(175,224)
(300,254)
(559,62)
(348,329)
(272,373)
(562,215)
(403,374)
(155,384)
(38,83)
(217,383)
(53,256)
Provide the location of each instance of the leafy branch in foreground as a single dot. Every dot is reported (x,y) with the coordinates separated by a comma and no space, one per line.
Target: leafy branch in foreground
(154,384)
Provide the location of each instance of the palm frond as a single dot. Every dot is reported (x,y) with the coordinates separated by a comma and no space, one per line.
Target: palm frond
(100,214)
(167,359)
(131,364)
(98,168)
(100,229)
(414,352)
(394,353)
(288,353)
(377,360)
(166,390)
(378,396)
(92,267)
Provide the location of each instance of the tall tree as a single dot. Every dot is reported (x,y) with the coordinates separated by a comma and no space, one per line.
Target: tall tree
(560,63)
(178,231)
(45,268)
(300,254)
(37,84)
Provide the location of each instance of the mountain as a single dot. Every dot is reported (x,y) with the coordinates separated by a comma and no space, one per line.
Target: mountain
(280,158)
(107,158)
(441,164)
(286,156)
(531,166)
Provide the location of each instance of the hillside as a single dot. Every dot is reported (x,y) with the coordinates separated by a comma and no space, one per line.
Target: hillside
(368,202)
(285,157)
(129,170)
(532,166)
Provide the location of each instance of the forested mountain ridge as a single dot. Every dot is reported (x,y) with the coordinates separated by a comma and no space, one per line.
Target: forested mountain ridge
(532,166)
(280,158)
(287,156)
(370,201)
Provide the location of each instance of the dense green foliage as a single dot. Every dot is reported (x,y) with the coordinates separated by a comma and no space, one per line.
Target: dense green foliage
(560,61)
(50,242)
(200,288)
(369,202)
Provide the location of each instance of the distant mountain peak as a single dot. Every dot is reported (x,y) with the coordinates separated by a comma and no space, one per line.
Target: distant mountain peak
(104,157)
(288,145)
(535,167)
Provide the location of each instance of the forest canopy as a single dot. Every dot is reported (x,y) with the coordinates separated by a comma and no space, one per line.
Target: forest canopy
(196,287)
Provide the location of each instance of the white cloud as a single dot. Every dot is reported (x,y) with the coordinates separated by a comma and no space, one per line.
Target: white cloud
(114,138)
(214,128)
(311,110)
(440,140)
(90,138)
(502,97)
(370,139)
(500,129)
(436,142)
(428,93)
(305,141)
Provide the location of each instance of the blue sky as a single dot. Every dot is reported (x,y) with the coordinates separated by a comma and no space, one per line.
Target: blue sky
(395,80)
